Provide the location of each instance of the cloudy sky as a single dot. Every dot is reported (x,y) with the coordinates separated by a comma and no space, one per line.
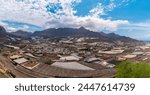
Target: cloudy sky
(125,17)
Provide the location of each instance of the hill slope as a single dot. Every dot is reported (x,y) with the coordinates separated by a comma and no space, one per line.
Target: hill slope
(21,33)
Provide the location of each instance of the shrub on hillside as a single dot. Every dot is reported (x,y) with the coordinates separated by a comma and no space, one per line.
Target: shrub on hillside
(133,70)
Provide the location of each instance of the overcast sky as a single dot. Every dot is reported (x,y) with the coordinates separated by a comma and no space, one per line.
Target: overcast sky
(125,17)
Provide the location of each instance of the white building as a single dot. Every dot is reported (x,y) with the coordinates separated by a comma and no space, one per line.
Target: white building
(111,52)
(20,60)
(69,58)
(130,56)
(91,60)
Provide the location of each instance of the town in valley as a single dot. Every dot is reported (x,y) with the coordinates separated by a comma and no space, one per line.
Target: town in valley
(67,57)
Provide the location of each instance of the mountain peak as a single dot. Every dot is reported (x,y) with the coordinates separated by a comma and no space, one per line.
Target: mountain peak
(3,32)
(82,28)
(21,33)
(2,29)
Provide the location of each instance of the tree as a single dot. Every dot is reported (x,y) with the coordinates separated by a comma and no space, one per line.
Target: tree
(133,70)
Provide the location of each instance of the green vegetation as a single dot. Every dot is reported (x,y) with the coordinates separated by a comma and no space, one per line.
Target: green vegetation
(133,70)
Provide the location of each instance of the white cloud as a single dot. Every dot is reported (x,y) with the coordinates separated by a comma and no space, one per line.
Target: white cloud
(102,9)
(7,27)
(28,12)
(35,12)
(138,30)
(140,26)
(98,10)
(2,23)
(25,27)
(13,29)
(92,23)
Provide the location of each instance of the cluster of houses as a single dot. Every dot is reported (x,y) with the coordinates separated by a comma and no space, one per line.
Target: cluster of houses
(27,60)
(74,55)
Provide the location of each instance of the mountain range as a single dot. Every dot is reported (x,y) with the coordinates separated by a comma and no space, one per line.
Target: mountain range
(65,33)
(80,32)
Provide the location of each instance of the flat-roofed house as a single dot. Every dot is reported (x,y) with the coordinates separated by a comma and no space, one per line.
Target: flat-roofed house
(70,58)
(20,60)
